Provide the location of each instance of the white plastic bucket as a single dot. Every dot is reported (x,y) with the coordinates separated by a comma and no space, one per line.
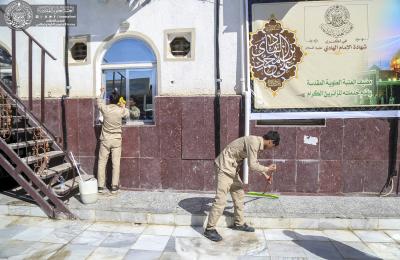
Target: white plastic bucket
(88,191)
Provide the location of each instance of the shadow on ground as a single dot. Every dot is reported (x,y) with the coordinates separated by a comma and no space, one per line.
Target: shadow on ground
(318,246)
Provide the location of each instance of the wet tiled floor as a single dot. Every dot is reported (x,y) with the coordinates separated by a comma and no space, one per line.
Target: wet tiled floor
(41,238)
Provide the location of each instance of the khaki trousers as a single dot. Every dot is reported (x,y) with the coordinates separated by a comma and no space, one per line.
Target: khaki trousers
(225,184)
(107,146)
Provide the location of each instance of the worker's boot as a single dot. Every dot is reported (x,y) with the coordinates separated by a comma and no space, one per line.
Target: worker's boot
(243,227)
(213,235)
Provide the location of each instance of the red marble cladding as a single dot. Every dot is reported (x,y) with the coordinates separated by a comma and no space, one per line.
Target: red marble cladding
(366,139)
(307,176)
(171,174)
(351,155)
(330,176)
(71,111)
(198,128)
(87,133)
(169,121)
(331,140)
(230,112)
(364,176)
(150,173)
(130,142)
(130,176)
(149,142)
(305,150)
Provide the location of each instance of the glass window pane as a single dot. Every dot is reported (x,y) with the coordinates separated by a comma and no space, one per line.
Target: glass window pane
(129,51)
(115,81)
(141,84)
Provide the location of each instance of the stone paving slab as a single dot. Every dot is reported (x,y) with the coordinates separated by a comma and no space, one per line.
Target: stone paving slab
(180,209)
(99,240)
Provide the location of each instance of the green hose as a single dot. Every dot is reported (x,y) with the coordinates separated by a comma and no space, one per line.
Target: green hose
(260,194)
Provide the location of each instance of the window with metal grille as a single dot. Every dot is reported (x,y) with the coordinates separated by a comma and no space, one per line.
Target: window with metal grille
(79,51)
(180,46)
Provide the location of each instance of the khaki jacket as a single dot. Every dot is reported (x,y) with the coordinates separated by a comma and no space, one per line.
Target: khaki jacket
(233,154)
(112,120)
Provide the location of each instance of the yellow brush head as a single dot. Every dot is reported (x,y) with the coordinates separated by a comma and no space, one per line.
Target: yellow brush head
(121,101)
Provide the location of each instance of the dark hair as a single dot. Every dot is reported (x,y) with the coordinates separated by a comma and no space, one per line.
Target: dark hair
(114,98)
(274,136)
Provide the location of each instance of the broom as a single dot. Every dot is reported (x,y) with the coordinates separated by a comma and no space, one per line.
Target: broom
(263,194)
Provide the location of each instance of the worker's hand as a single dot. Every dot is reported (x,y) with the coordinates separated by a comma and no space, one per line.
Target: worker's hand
(271,168)
(268,178)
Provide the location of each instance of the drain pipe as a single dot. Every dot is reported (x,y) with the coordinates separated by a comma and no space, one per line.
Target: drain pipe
(217,100)
(244,78)
(67,87)
(66,66)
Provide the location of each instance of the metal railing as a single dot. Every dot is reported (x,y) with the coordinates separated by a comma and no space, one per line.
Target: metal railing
(44,52)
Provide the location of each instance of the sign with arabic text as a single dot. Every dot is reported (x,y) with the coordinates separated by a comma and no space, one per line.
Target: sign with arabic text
(329,54)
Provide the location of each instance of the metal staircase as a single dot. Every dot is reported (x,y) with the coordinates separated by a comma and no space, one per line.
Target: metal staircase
(30,154)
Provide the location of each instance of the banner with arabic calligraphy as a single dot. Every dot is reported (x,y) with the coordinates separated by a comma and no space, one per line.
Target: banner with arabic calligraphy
(329,54)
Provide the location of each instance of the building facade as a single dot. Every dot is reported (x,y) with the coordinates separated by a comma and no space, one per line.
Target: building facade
(161,55)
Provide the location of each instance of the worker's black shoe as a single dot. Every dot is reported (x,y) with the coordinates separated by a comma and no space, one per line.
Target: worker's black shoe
(212,234)
(100,189)
(243,227)
(114,189)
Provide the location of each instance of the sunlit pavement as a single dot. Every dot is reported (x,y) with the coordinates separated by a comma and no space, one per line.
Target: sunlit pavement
(41,238)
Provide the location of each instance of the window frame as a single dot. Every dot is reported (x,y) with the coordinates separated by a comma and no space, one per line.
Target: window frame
(128,68)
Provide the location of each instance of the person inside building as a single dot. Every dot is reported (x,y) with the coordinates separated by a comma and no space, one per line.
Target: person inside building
(134,111)
(110,138)
(227,166)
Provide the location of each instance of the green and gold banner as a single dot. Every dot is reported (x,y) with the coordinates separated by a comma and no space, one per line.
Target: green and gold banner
(325,54)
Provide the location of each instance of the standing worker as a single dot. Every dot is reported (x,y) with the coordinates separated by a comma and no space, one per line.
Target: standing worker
(111,138)
(228,179)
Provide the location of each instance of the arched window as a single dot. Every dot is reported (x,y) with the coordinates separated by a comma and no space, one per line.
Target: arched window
(5,67)
(129,68)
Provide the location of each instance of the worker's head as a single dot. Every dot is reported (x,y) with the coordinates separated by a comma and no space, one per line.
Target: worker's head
(114,98)
(271,139)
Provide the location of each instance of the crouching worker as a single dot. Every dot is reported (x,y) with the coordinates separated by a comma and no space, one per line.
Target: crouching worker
(111,138)
(228,180)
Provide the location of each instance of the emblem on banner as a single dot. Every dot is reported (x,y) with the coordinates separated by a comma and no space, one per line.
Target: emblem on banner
(274,55)
(18,15)
(337,18)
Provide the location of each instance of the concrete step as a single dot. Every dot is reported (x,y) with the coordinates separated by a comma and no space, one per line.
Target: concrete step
(62,189)
(29,143)
(50,155)
(183,209)
(20,130)
(55,170)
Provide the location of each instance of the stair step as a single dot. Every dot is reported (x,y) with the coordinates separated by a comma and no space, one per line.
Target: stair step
(2,106)
(20,130)
(63,189)
(29,143)
(55,170)
(14,117)
(32,159)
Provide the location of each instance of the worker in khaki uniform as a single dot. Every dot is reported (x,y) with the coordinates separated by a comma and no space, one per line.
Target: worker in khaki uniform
(111,138)
(228,179)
